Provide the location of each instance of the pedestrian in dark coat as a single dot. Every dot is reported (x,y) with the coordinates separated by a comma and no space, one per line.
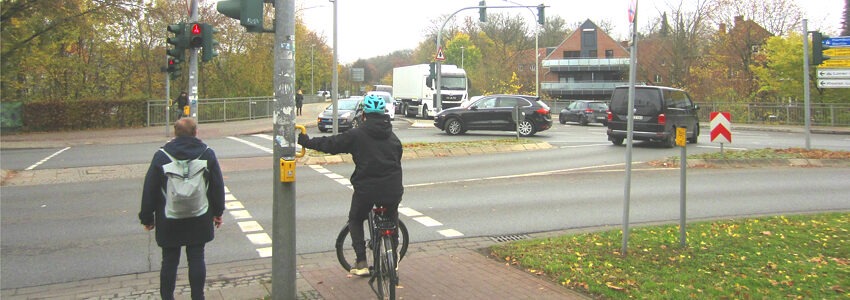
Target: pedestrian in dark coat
(299,101)
(193,232)
(182,102)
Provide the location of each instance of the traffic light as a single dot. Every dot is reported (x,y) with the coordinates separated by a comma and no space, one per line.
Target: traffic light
(248,12)
(173,68)
(482,11)
(432,74)
(209,42)
(196,37)
(818,47)
(541,17)
(178,41)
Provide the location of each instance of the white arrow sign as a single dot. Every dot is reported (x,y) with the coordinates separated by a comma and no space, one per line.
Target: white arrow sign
(834,83)
(833,73)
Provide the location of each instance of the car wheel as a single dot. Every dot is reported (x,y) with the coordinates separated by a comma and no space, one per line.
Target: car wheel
(355,123)
(425,111)
(454,127)
(694,139)
(526,128)
(562,119)
(617,141)
(407,111)
(582,121)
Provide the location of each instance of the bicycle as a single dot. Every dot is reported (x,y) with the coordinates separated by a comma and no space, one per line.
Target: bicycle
(384,236)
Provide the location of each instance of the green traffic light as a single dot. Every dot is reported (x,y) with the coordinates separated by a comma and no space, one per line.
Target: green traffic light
(482,11)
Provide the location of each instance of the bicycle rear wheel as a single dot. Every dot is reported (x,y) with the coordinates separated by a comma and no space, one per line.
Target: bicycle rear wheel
(387,279)
(345,254)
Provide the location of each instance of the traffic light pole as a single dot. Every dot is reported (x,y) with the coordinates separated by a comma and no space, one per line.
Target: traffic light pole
(283,215)
(806,88)
(167,98)
(192,84)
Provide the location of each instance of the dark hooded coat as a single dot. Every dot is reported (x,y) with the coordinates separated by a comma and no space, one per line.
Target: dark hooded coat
(181,232)
(376,152)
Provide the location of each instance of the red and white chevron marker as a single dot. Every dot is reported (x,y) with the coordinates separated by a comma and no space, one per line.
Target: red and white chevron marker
(721,124)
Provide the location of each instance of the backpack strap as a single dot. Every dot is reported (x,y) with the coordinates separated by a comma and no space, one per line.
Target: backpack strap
(173,159)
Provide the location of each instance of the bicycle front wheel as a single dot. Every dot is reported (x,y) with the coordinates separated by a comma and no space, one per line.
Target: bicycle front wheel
(345,254)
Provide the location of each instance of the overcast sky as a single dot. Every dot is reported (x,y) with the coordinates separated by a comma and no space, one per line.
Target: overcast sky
(368,28)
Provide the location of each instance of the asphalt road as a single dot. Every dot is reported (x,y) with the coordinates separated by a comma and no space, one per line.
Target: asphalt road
(68,232)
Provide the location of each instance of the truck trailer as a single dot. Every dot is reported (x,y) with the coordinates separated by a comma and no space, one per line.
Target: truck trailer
(416,90)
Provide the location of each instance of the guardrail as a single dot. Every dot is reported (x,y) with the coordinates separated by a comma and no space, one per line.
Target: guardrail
(215,110)
(822,114)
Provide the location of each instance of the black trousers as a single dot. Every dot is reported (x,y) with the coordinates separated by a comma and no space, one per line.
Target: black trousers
(197,271)
(358,213)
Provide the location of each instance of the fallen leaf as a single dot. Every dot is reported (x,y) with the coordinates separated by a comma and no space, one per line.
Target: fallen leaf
(614,287)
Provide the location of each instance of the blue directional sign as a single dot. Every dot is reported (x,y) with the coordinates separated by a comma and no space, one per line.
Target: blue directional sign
(841,41)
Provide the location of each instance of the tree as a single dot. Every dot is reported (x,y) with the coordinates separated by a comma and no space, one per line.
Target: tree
(777,16)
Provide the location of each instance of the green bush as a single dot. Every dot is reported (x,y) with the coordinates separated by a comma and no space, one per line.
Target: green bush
(85,114)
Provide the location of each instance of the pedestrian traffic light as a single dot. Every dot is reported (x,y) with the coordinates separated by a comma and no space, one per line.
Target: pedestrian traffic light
(541,17)
(248,12)
(209,42)
(818,47)
(432,74)
(482,11)
(178,41)
(196,38)
(174,68)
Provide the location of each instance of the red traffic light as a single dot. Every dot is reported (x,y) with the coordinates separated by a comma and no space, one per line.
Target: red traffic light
(196,29)
(170,62)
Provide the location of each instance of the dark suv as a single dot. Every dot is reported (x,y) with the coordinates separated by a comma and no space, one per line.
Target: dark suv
(658,111)
(495,112)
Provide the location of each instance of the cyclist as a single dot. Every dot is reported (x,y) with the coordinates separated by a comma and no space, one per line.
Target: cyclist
(377,176)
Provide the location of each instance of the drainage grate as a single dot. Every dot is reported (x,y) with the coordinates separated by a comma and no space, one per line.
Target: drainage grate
(509,238)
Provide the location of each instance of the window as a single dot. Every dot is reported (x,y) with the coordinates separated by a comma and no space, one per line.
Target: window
(486,103)
(572,54)
(592,54)
(657,78)
(609,53)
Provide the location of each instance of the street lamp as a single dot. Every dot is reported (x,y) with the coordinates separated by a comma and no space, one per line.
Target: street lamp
(312,87)
(461,57)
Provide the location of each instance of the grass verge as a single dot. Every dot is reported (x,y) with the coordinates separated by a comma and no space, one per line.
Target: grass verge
(800,256)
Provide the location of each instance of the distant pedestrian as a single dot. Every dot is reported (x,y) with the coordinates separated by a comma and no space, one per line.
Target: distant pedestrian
(299,101)
(189,223)
(182,102)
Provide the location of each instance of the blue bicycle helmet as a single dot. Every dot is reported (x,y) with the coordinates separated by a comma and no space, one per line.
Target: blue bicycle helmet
(374,104)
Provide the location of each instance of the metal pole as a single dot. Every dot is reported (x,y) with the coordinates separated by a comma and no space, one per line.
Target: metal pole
(192,84)
(283,219)
(461,57)
(806,89)
(683,164)
(167,98)
(312,86)
(335,83)
(630,130)
(536,59)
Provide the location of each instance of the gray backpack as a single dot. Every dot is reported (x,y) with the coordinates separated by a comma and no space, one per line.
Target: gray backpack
(186,188)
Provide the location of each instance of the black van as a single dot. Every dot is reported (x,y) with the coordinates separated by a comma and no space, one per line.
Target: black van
(658,111)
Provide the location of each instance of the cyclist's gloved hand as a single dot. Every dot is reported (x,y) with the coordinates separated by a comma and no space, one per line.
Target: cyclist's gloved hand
(302,138)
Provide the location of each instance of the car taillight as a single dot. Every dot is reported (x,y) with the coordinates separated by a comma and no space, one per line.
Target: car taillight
(589,110)
(542,111)
(610,115)
(662,119)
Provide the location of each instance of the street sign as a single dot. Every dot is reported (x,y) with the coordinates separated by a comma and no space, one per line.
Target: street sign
(440,55)
(833,73)
(834,83)
(841,41)
(721,123)
(840,63)
(837,52)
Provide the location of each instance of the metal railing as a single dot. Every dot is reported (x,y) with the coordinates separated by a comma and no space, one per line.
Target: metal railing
(822,114)
(215,110)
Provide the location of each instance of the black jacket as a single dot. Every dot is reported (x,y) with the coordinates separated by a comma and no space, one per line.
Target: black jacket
(376,151)
(180,232)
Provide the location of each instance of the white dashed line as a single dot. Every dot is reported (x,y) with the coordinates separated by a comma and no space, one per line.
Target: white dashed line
(427,221)
(250,226)
(45,159)
(266,149)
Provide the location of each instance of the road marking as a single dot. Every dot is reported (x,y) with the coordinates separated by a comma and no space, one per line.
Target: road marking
(45,159)
(250,226)
(252,229)
(240,214)
(419,217)
(583,146)
(517,175)
(233,205)
(427,221)
(258,239)
(252,144)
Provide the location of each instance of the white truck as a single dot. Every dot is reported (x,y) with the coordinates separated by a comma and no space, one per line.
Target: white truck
(411,85)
